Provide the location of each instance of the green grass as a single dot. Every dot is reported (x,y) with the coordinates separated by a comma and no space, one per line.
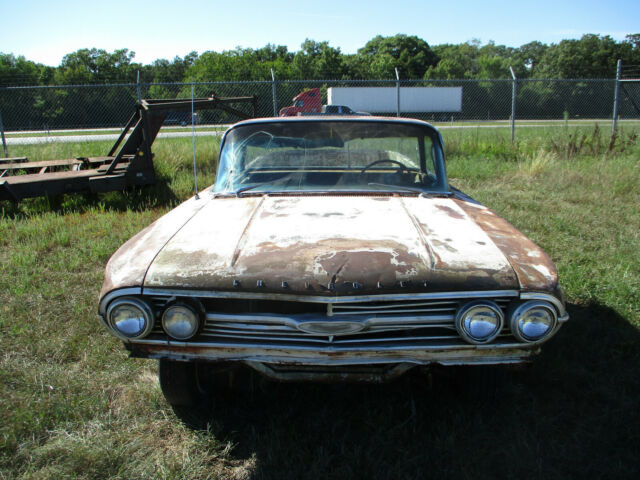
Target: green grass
(72,405)
(105,131)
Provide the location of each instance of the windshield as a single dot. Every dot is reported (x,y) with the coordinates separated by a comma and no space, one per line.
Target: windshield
(331,156)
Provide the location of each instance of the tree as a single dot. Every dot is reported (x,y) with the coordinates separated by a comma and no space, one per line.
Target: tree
(20,71)
(471,60)
(593,56)
(456,61)
(165,71)
(240,64)
(530,55)
(410,54)
(634,40)
(97,66)
(317,60)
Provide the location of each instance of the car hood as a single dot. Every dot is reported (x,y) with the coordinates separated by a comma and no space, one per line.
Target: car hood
(339,245)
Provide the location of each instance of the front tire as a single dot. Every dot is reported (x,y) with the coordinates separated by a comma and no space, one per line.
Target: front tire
(187,391)
(194,388)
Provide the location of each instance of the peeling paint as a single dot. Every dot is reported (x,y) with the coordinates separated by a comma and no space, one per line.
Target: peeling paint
(532,265)
(128,265)
(403,239)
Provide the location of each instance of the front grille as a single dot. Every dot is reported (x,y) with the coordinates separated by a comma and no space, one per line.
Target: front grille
(397,322)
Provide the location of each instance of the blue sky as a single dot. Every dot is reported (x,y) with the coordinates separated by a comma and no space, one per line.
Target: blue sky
(44,31)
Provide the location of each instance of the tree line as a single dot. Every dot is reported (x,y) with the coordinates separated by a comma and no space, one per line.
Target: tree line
(89,103)
(592,56)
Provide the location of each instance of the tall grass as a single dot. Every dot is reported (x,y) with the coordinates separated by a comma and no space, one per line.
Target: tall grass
(72,405)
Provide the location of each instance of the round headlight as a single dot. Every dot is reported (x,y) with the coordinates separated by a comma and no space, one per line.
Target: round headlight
(532,321)
(130,317)
(479,322)
(180,322)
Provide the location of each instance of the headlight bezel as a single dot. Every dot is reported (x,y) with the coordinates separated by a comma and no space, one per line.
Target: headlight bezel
(466,309)
(517,311)
(136,303)
(196,315)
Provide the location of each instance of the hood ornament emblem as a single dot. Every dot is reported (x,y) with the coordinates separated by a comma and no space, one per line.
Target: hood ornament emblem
(331,328)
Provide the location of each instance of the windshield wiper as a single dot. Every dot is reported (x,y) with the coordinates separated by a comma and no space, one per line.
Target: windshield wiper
(410,189)
(244,189)
(233,193)
(396,187)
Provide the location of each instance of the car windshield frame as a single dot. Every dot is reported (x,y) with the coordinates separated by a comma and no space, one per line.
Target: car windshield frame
(332,155)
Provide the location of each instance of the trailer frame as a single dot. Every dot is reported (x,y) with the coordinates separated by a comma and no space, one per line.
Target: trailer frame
(128,163)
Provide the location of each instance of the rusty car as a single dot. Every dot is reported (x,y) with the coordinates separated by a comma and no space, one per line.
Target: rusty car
(328,248)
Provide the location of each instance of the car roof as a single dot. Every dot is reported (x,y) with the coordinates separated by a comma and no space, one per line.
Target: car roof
(336,118)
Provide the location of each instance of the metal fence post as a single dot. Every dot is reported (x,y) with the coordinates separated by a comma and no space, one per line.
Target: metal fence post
(4,140)
(513,104)
(616,97)
(398,92)
(193,141)
(273,93)
(139,88)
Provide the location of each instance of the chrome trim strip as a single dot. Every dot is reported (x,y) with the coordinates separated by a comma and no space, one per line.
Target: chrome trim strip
(460,316)
(102,320)
(151,291)
(348,341)
(142,306)
(562,311)
(392,311)
(263,329)
(104,301)
(458,355)
(332,349)
(518,311)
(393,305)
(335,347)
(293,321)
(239,326)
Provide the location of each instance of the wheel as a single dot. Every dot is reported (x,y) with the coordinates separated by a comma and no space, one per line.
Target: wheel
(187,391)
(194,388)
(489,382)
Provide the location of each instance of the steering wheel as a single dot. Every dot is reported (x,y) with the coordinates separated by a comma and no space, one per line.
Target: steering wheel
(400,164)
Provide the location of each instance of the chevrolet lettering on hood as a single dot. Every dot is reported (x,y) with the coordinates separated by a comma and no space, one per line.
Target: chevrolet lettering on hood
(328,248)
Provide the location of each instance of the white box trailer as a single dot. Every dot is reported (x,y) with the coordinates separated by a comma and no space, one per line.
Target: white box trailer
(385,99)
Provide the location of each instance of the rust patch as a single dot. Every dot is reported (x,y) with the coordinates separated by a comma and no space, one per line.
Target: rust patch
(341,262)
(450,211)
(408,240)
(336,261)
(128,265)
(534,268)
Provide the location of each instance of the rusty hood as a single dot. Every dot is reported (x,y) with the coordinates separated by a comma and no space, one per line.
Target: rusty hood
(338,244)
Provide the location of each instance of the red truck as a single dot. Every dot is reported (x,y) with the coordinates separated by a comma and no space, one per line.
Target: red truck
(309,101)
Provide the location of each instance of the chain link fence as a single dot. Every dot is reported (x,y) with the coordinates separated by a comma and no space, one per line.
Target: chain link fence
(110,106)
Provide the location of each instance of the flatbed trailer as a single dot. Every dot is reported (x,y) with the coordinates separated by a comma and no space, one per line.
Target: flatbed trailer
(129,162)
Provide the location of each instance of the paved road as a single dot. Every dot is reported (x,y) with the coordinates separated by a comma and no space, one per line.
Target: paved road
(94,138)
(35,140)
